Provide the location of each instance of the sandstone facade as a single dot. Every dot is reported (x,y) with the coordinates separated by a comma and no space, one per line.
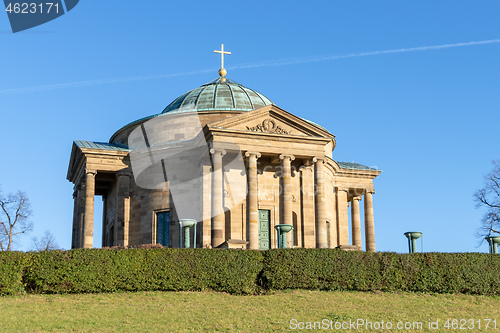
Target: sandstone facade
(290,178)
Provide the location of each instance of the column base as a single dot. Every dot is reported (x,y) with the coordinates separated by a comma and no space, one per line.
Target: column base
(349,247)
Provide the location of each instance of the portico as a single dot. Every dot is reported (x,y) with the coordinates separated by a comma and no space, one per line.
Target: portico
(290,174)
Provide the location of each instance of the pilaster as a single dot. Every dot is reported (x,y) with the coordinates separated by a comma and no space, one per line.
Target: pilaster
(207,203)
(122,209)
(308,206)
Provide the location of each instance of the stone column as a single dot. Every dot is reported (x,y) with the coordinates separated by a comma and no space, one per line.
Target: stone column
(356,222)
(333,220)
(369,222)
(74,237)
(319,173)
(81,213)
(286,165)
(252,201)
(122,209)
(343,217)
(217,197)
(88,224)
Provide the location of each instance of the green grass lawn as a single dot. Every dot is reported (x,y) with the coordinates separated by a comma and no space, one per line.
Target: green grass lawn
(210,311)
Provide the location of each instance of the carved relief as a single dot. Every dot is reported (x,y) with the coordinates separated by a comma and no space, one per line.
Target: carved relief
(268,126)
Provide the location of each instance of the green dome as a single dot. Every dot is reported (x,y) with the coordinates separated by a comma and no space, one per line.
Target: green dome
(220,96)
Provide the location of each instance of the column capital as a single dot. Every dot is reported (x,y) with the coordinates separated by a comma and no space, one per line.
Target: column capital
(124,173)
(214,151)
(90,172)
(343,189)
(356,198)
(371,191)
(317,159)
(283,156)
(253,153)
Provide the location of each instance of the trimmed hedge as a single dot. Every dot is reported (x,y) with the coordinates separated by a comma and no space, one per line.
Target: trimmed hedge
(324,269)
(245,272)
(94,271)
(12,266)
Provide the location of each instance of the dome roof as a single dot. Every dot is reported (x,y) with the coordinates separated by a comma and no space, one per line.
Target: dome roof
(221,95)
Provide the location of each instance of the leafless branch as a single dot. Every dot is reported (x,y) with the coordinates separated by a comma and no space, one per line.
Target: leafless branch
(14,218)
(489,198)
(45,243)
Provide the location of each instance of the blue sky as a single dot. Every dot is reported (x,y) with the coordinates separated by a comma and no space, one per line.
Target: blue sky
(427,117)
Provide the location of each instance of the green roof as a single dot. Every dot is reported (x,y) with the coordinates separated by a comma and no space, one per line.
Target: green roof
(355,166)
(219,95)
(101,145)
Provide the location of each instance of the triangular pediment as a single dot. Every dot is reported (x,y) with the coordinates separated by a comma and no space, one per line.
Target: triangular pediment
(271,119)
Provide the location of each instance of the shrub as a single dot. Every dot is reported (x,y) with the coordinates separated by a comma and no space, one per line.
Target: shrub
(245,272)
(323,269)
(109,270)
(326,269)
(11,272)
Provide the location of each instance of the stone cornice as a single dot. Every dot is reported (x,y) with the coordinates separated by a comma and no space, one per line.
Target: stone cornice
(266,135)
(90,151)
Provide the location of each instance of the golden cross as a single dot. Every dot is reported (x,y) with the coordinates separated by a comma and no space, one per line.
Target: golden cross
(222,52)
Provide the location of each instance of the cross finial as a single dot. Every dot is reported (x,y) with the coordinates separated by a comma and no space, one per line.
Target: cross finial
(222,70)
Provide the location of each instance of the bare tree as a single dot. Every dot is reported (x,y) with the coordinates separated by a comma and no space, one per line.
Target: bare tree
(15,210)
(489,197)
(46,243)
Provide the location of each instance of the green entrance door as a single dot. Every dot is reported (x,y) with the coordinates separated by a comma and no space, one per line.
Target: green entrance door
(264,229)
(163,228)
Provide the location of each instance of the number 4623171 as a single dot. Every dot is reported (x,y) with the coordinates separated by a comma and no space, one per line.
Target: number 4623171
(470,324)
(32,8)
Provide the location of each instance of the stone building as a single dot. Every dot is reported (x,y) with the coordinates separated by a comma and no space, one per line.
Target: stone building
(288,176)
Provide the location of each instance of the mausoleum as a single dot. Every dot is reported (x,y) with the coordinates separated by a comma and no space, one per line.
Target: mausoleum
(228,158)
